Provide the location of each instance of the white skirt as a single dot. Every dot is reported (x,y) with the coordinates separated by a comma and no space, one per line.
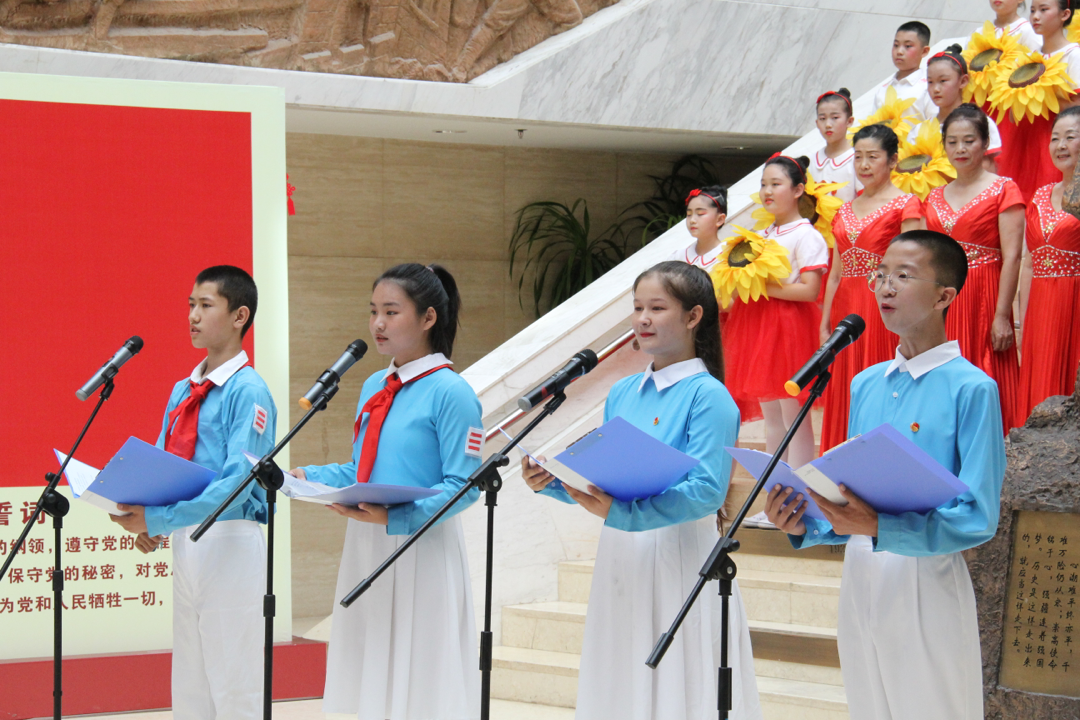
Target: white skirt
(640,583)
(407,648)
(908,636)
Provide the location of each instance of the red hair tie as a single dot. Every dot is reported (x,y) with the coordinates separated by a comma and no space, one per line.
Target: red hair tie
(694,193)
(943,54)
(802,172)
(830,93)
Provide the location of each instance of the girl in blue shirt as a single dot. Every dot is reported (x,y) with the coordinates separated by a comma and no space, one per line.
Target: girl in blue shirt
(652,548)
(407,649)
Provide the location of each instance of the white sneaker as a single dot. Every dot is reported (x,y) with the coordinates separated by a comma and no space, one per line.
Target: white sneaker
(761,520)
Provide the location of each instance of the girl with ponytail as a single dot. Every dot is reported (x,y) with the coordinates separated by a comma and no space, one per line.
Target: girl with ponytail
(407,648)
(1025,159)
(652,548)
(706,212)
(833,163)
(946,78)
(767,340)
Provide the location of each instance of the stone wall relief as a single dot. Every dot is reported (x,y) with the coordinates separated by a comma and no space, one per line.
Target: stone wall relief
(441,40)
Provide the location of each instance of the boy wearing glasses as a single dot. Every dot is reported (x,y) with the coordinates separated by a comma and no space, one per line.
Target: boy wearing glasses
(908,632)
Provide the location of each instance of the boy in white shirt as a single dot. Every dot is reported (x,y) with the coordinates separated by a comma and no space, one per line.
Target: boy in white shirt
(910,46)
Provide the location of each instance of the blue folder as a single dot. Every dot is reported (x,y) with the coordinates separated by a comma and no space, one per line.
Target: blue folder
(884,468)
(621,460)
(142,474)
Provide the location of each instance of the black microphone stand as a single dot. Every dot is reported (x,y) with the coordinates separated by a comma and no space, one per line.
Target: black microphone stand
(57,506)
(721,567)
(271,479)
(487,479)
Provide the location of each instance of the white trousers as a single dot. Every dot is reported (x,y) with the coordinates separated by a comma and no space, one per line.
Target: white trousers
(640,582)
(407,648)
(908,636)
(218,586)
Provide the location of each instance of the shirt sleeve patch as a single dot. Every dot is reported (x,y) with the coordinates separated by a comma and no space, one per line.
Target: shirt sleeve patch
(261,417)
(474,441)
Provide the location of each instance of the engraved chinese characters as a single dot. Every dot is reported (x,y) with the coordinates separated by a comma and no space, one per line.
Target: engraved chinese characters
(1039,641)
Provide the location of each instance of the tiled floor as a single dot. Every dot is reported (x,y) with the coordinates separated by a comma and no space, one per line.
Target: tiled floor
(312,710)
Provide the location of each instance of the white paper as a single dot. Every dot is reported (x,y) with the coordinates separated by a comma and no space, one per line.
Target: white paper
(820,483)
(80,476)
(299,489)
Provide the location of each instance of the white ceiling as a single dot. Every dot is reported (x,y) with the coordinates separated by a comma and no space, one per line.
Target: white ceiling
(476,131)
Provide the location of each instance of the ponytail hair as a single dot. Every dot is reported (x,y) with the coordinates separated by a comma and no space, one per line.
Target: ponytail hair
(794,167)
(952,55)
(430,287)
(843,95)
(716,193)
(691,286)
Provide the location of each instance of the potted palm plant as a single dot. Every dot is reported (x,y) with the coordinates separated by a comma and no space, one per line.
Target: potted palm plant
(561,255)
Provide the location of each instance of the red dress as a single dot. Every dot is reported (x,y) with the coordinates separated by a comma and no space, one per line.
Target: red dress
(1026,154)
(861,243)
(971,315)
(768,340)
(1051,344)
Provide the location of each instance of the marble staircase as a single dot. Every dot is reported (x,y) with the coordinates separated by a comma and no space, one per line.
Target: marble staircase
(791,601)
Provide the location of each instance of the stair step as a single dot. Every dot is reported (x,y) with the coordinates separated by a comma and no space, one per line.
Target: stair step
(793,643)
(534,676)
(550,678)
(790,597)
(781,670)
(552,626)
(575,580)
(784,699)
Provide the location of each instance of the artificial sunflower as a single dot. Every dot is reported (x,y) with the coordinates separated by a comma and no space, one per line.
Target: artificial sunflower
(748,263)
(1032,86)
(895,113)
(987,55)
(818,204)
(923,163)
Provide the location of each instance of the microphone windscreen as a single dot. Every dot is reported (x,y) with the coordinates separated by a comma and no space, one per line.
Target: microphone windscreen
(856,323)
(136,344)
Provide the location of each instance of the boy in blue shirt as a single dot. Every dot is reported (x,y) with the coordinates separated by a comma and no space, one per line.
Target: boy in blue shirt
(222,410)
(908,633)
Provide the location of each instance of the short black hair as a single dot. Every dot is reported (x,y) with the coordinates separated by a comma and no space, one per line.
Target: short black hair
(920,30)
(973,114)
(884,135)
(947,257)
(236,286)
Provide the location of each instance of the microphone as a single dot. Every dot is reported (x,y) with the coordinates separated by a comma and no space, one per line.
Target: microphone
(580,364)
(109,369)
(333,374)
(847,331)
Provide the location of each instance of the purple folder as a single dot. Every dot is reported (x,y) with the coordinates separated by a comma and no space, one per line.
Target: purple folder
(887,470)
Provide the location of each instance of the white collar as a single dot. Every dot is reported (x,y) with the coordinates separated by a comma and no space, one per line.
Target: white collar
(837,161)
(222,373)
(923,363)
(410,370)
(912,79)
(663,379)
(787,227)
(709,257)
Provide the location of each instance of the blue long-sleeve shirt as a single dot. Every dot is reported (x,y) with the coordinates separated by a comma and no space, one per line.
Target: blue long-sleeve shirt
(423,443)
(695,415)
(956,411)
(227,428)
